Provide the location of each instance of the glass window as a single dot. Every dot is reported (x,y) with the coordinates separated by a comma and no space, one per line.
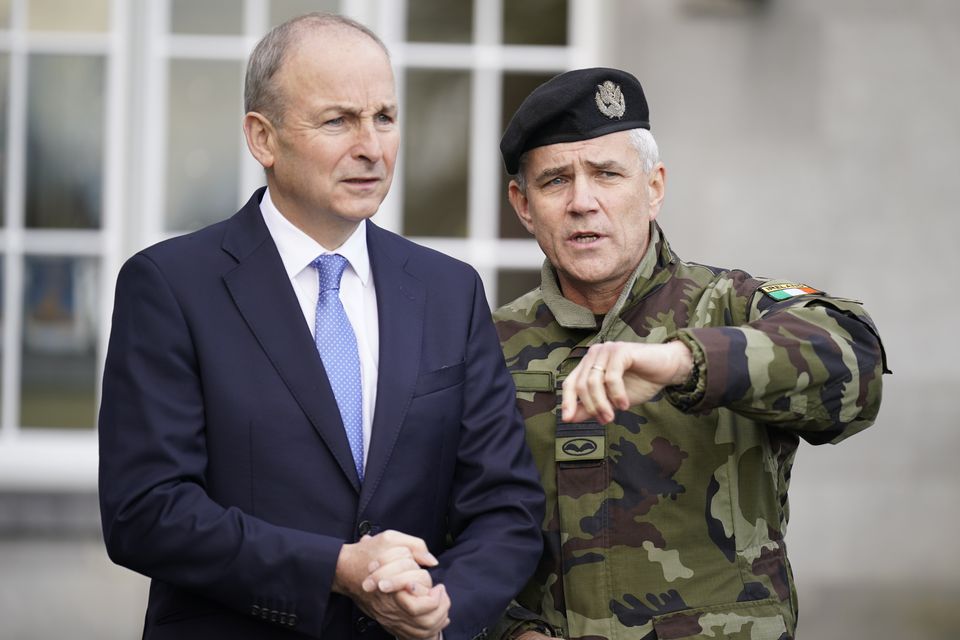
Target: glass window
(539,22)
(4,14)
(513,283)
(210,17)
(65,132)
(60,324)
(69,15)
(283,10)
(436,147)
(440,21)
(516,87)
(203,156)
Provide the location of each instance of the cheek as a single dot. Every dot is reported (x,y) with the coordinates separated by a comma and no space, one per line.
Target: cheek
(390,143)
(635,233)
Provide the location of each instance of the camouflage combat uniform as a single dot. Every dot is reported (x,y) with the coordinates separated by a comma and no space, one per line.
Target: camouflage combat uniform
(669,521)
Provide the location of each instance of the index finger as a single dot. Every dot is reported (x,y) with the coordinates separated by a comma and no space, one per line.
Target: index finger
(416,546)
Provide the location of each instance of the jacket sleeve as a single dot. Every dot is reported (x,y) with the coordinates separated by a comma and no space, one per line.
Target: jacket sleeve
(811,364)
(157,516)
(496,503)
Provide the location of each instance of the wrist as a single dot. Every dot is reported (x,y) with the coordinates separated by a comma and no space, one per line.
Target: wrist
(684,365)
(343,574)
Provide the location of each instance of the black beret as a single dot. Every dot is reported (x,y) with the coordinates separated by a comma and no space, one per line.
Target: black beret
(572,106)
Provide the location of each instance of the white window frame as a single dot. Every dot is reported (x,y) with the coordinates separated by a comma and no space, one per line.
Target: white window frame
(488,59)
(138,47)
(42,458)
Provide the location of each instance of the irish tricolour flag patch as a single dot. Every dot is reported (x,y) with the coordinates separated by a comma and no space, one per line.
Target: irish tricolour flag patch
(786,290)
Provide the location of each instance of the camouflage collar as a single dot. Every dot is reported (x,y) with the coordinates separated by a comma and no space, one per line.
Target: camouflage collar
(570,315)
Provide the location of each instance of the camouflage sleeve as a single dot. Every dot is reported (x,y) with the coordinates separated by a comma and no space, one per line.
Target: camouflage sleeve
(812,364)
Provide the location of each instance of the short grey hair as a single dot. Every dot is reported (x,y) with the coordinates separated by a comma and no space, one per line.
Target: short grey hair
(260,92)
(641,139)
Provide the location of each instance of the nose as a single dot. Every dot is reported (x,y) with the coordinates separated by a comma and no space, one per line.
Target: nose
(368,146)
(582,197)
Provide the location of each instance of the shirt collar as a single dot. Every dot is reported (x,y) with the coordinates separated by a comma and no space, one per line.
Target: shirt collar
(298,250)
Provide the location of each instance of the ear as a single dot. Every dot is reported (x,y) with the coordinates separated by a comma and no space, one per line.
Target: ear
(656,189)
(261,138)
(521,205)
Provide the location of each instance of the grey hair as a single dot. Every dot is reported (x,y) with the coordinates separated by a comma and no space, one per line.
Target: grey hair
(641,139)
(260,92)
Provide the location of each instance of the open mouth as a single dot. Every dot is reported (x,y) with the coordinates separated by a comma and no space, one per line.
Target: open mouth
(585,237)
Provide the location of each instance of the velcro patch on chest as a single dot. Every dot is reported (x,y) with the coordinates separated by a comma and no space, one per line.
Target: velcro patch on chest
(787,290)
(579,442)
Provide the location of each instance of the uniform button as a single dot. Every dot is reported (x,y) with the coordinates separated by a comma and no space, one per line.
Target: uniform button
(364,528)
(255,610)
(292,620)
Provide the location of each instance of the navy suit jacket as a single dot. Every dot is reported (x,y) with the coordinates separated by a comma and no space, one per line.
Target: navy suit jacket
(225,472)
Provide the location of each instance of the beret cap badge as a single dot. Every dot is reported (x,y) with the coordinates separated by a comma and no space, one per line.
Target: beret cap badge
(610,100)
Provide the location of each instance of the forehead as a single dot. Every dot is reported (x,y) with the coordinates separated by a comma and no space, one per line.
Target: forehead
(340,63)
(613,147)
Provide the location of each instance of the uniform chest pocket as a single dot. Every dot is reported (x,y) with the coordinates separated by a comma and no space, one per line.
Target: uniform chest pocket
(760,620)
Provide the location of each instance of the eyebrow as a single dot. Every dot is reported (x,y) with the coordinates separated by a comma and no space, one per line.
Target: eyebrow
(553,172)
(386,107)
(606,165)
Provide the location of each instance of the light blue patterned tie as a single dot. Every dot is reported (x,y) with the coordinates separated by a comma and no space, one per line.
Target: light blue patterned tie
(337,345)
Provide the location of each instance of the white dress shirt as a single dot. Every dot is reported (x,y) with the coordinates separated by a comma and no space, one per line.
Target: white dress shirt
(357,293)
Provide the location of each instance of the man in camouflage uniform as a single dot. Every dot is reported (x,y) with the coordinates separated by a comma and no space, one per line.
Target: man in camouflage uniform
(666,454)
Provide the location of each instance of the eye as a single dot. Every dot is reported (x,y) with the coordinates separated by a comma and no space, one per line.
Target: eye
(555,181)
(384,118)
(334,122)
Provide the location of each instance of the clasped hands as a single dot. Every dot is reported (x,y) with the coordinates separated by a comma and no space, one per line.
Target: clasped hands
(385,575)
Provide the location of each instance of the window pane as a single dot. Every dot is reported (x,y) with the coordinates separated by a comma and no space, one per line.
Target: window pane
(283,10)
(69,15)
(64,141)
(204,142)
(440,21)
(60,323)
(212,17)
(4,14)
(4,103)
(513,283)
(516,87)
(436,134)
(542,22)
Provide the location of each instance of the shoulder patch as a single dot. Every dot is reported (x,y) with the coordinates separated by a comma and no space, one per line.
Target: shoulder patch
(785,290)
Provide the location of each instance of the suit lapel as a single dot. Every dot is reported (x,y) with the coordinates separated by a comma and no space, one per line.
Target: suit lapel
(400,307)
(262,292)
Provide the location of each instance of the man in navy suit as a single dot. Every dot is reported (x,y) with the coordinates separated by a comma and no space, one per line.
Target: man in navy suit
(227,473)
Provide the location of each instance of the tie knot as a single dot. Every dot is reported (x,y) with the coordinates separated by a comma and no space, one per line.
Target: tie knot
(329,268)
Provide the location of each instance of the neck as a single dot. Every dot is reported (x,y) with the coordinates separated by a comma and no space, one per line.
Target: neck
(330,232)
(327,236)
(598,298)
